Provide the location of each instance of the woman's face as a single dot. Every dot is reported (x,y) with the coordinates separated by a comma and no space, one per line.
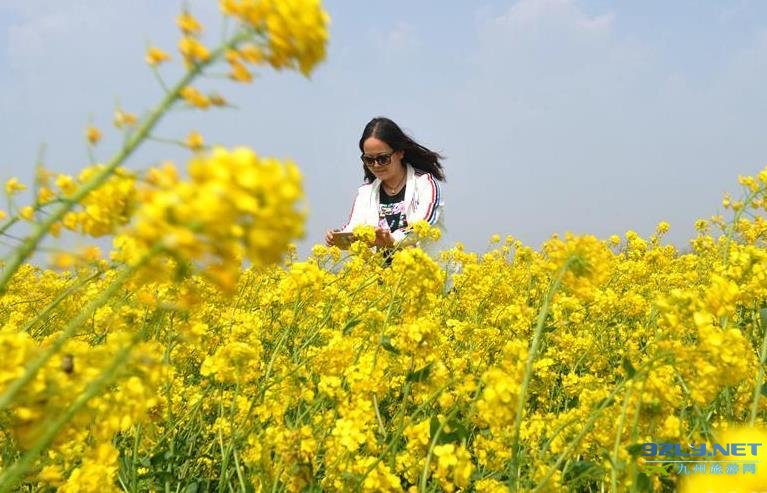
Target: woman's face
(374,148)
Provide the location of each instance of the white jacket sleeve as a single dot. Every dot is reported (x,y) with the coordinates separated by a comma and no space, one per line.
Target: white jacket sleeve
(356,214)
(429,206)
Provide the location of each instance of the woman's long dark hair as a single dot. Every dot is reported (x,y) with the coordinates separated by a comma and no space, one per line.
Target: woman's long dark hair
(417,155)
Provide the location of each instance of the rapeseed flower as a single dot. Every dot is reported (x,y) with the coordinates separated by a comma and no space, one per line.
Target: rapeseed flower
(155,56)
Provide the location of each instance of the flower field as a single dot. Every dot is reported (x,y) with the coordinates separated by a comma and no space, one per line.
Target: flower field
(202,354)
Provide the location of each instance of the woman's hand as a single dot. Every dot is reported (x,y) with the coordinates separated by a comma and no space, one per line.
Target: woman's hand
(329,237)
(384,238)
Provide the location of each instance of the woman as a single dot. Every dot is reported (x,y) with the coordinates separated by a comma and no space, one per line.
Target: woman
(401,185)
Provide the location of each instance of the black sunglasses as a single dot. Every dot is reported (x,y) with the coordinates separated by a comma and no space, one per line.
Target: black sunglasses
(380,160)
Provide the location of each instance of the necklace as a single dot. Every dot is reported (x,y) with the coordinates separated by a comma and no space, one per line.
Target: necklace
(393,191)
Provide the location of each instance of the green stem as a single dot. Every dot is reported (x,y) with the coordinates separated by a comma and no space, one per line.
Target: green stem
(427,462)
(134,459)
(381,426)
(238,468)
(616,446)
(9,223)
(389,312)
(530,360)
(635,428)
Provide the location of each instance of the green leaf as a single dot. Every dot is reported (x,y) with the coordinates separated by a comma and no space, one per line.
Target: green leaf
(654,469)
(603,403)
(763,389)
(349,326)
(351,476)
(584,469)
(628,367)
(192,487)
(643,482)
(458,432)
(386,344)
(605,454)
(160,458)
(634,449)
(433,427)
(419,375)
(182,271)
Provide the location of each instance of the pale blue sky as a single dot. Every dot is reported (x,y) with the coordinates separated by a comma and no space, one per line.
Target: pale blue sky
(555,115)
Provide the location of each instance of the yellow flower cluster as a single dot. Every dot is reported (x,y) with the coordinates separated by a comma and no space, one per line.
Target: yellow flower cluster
(235,206)
(337,373)
(82,457)
(104,210)
(100,358)
(296,32)
(454,466)
(531,369)
(190,47)
(500,394)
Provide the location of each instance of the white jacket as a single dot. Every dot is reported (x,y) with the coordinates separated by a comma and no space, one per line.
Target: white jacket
(423,200)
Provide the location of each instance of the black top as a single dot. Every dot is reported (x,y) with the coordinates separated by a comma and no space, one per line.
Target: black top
(391,210)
